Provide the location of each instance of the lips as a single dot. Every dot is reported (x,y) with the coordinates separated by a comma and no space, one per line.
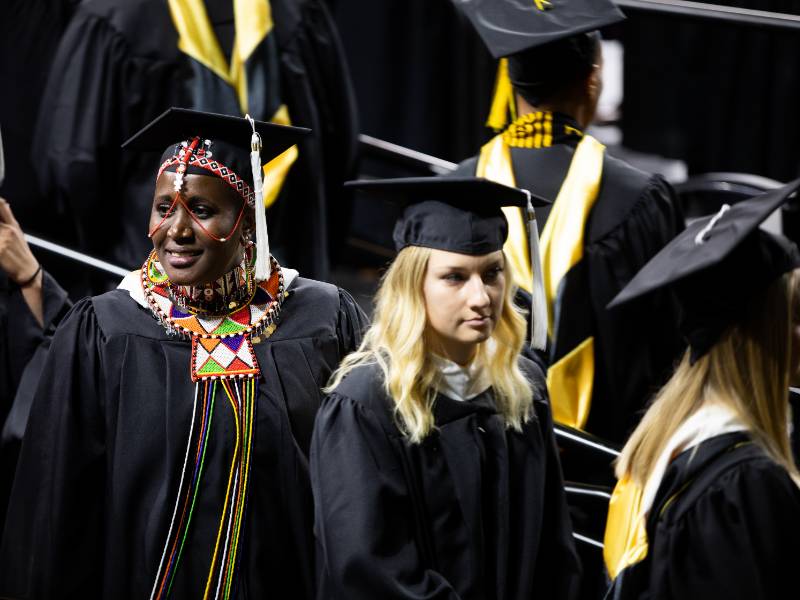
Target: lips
(478,321)
(181,258)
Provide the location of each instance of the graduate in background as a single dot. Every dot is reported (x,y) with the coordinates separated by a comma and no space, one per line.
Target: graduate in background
(434,466)
(606,220)
(165,454)
(708,504)
(121,63)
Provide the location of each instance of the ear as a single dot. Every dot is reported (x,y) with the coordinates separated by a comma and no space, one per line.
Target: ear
(248,224)
(594,83)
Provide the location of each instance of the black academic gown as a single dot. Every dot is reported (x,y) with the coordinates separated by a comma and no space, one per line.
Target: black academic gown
(634,216)
(102,456)
(725,524)
(118,66)
(476,511)
(23,343)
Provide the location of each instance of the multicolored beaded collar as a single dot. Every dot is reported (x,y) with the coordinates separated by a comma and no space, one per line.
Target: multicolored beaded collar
(221,340)
(223,366)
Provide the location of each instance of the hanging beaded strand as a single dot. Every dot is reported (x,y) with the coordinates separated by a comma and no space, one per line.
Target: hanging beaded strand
(214,337)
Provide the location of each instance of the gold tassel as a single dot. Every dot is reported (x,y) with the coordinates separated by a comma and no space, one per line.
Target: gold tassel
(503,100)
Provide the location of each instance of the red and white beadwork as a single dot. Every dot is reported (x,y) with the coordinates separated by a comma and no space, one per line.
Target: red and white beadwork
(202,158)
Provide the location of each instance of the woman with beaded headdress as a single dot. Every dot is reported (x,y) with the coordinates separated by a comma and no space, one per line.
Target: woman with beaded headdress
(166,449)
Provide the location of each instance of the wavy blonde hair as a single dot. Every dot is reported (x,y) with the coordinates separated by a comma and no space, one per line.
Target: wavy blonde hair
(396,341)
(748,370)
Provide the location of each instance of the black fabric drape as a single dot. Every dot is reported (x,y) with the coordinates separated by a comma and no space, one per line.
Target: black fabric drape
(721,97)
(422,76)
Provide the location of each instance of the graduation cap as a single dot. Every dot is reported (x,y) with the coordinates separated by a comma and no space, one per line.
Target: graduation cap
(511,26)
(231,148)
(717,265)
(462,215)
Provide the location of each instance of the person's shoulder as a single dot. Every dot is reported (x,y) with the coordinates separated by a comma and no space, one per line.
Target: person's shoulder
(628,193)
(533,372)
(744,478)
(119,314)
(309,294)
(362,384)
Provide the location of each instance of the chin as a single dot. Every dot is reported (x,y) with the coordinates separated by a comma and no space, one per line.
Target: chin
(475,337)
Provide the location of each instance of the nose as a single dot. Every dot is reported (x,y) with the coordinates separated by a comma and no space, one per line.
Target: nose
(180,223)
(477,297)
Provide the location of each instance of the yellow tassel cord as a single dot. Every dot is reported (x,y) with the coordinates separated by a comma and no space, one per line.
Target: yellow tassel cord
(503,100)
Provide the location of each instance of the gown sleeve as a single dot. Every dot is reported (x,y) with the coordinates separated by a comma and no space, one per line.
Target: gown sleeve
(741,540)
(363,524)
(53,540)
(351,324)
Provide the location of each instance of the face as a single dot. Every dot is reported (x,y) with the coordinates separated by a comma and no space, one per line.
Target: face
(463,299)
(187,253)
(594,86)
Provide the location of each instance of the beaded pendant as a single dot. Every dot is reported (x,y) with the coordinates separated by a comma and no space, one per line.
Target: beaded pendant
(221,344)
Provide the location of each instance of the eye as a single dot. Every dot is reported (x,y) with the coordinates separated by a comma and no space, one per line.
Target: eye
(453,277)
(492,274)
(162,208)
(202,211)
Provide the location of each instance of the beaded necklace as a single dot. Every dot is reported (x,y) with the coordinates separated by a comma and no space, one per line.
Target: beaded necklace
(232,290)
(222,327)
(541,129)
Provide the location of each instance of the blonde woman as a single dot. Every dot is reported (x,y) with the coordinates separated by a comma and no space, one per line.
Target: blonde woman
(434,469)
(708,504)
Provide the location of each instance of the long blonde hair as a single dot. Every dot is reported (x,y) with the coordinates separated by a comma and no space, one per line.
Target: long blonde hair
(396,342)
(748,370)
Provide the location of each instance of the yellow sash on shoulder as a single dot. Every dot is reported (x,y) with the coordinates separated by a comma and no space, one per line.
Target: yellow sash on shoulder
(625,541)
(570,379)
(253,23)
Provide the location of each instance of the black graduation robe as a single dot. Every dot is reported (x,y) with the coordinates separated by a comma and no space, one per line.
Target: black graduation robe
(118,66)
(22,345)
(476,511)
(634,216)
(102,456)
(725,524)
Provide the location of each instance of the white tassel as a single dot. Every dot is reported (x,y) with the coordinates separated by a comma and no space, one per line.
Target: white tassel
(538,299)
(262,236)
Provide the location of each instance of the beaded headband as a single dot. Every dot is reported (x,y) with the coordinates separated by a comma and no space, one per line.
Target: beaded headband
(202,158)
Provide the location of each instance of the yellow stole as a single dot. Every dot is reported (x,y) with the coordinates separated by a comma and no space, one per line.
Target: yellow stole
(571,378)
(625,541)
(253,23)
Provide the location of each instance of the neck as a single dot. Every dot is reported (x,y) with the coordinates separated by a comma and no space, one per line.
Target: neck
(460,353)
(576,109)
(225,294)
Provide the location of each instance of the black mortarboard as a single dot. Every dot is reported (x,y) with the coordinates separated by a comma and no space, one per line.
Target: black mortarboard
(456,214)
(463,215)
(229,137)
(231,148)
(511,26)
(717,265)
